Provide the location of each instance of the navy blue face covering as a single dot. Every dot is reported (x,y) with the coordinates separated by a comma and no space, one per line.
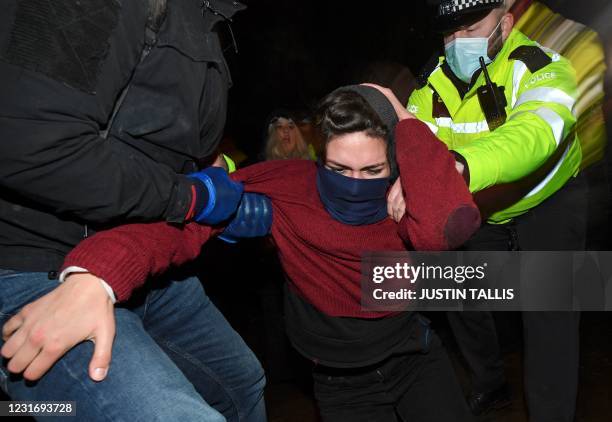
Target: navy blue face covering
(352,201)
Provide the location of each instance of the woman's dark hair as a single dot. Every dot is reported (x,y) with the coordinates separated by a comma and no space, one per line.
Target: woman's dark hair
(345,111)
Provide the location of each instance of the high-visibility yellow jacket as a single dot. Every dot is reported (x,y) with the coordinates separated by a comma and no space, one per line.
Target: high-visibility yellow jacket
(540,114)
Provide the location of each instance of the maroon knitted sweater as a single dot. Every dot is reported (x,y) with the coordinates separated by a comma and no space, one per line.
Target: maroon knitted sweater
(320,255)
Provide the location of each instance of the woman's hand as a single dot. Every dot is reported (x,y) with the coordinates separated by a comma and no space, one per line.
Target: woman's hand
(396,203)
(44,330)
(401,111)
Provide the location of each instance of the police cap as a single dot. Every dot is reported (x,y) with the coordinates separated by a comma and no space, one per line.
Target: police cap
(451,15)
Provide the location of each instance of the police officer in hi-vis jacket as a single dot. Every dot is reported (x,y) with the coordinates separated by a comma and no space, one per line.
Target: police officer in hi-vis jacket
(514,141)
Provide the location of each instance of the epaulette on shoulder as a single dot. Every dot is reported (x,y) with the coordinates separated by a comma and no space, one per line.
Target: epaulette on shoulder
(533,56)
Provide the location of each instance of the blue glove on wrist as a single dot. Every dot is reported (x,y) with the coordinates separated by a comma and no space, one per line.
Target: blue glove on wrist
(223,195)
(253,218)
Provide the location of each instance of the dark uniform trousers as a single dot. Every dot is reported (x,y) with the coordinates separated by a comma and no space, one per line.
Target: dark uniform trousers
(551,339)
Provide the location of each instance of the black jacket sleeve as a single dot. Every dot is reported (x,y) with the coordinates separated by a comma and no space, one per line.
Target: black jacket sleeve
(63,64)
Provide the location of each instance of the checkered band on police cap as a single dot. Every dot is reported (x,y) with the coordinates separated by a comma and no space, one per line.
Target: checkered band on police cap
(451,7)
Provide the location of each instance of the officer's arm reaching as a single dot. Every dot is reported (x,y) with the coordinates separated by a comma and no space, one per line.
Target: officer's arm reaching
(540,118)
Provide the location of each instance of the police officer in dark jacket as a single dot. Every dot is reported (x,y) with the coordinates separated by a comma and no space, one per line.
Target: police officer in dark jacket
(106,109)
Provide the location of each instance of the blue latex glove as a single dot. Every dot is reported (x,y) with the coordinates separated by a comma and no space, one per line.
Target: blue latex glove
(253,218)
(223,195)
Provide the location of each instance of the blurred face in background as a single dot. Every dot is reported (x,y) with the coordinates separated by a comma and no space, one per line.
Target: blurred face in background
(287,134)
(284,140)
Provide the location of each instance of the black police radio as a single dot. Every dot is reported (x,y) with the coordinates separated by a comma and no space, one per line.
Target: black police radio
(492,100)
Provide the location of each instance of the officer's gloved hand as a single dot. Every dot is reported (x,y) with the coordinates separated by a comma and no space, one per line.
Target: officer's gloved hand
(253,218)
(222,195)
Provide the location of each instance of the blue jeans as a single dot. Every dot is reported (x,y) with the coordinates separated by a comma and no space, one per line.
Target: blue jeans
(175,357)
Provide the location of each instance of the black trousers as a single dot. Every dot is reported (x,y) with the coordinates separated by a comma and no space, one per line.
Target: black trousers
(415,387)
(551,339)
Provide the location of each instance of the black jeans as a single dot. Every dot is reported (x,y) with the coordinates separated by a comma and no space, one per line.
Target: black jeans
(415,387)
(551,339)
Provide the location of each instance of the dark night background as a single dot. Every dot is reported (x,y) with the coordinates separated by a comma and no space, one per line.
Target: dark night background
(293,52)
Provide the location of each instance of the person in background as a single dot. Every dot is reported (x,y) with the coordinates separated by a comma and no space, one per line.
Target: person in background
(284,140)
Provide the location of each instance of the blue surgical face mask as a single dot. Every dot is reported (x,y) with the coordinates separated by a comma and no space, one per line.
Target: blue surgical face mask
(352,201)
(463,55)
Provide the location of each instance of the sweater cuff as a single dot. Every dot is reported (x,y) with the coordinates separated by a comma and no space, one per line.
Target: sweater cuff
(111,261)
